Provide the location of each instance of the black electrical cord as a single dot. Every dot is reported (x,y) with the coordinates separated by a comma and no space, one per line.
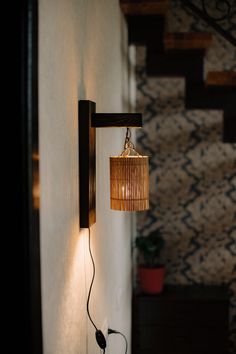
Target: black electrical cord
(113,331)
(101,340)
(91,285)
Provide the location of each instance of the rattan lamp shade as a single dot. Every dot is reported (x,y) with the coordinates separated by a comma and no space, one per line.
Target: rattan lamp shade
(129,183)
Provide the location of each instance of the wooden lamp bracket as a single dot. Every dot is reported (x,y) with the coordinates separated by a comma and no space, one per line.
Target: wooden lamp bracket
(88,121)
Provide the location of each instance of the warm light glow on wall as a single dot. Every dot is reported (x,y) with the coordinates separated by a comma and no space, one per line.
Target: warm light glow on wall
(35,188)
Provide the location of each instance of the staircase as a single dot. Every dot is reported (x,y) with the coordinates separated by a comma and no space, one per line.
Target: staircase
(181,55)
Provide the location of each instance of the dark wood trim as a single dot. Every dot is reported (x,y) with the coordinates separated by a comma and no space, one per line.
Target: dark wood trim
(221,78)
(29,190)
(144,7)
(108,120)
(188,40)
(87,164)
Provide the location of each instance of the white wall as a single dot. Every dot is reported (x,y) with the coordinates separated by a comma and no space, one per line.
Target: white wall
(82,55)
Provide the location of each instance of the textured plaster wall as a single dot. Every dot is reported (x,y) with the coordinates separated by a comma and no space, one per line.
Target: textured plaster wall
(82,55)
(192,173)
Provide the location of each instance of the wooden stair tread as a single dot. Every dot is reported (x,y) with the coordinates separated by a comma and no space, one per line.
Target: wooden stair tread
(187,40)
(144,7)
(223,78)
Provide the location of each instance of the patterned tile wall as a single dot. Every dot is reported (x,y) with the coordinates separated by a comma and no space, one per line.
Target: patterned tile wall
(192,173)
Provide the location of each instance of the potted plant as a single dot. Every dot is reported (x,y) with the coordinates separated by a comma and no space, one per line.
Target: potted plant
(150,271)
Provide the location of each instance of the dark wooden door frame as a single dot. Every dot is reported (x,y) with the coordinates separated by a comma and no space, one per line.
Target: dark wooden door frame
(28,191)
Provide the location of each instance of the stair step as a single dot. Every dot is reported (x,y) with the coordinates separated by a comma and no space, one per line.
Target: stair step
(175,63)
(224,78)
(229,129)
(144,7)
(191,40)
(198,96)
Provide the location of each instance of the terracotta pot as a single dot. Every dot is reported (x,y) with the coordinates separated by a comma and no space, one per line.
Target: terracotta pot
(151,279)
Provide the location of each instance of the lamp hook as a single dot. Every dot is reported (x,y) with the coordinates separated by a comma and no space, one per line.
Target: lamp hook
(128,143)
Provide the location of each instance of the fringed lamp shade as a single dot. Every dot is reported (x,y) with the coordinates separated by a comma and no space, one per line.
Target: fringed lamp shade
(129,183)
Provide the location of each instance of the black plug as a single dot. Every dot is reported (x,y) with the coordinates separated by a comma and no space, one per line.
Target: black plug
(111,331)
(101,340)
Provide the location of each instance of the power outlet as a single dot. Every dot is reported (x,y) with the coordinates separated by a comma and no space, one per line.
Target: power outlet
(104,328)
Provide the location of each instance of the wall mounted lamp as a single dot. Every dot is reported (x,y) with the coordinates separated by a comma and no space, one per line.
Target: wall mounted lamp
(129,182)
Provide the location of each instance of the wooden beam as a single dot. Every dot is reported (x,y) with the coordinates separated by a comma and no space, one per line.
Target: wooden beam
(87,164)
(108,120)
(144,7)
(191,40)
(224,78)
